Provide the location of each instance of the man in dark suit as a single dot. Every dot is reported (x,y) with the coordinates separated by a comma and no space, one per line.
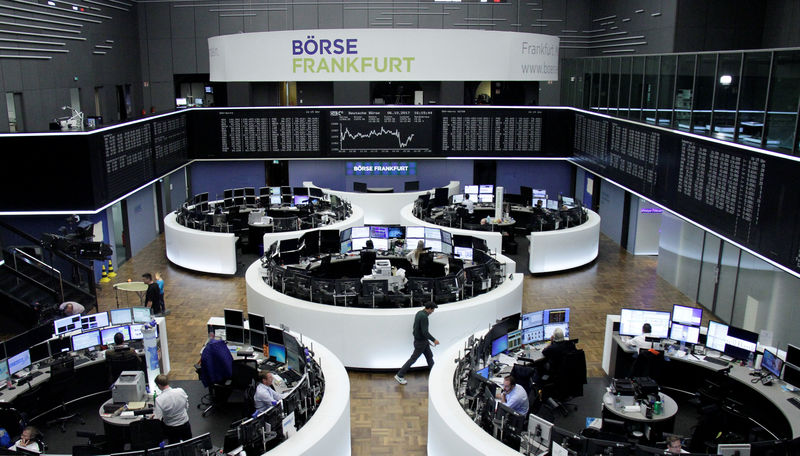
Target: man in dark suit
(120,355)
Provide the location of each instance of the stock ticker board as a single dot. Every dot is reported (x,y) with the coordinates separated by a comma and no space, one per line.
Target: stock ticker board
(381,131)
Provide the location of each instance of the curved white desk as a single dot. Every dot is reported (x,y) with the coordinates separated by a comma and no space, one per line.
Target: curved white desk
(494,239)
(355,219)
(450,429)
(569,248)
(379,338)
(328,431)
(197,250)
(381,208)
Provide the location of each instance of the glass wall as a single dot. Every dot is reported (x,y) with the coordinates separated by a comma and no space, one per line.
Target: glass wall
(751,97)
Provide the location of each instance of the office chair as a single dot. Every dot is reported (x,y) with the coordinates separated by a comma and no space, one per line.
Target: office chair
(421,290)
(649,363)
(566,382)
(127,360)
(367,261)
(524,376)
(59,387)
(374,291)
(249,400)
(146,433)
(11,420)
(324,290)
(214,370)
(324,268)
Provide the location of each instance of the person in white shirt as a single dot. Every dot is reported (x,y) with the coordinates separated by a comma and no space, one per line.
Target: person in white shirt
(171,408)
(265,396)
(26,440)
(71,308)
(413,256)
(674,445)
(640,341)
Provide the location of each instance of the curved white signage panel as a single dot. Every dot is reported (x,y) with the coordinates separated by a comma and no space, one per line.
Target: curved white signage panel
(383,55)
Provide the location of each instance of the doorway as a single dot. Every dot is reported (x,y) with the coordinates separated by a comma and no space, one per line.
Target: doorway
(119,219)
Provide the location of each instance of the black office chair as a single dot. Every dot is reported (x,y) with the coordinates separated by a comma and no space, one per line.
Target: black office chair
(324,268)
(648,363)
(59,388)
(524,376)
(367,261)
(127,361)
(566,382)
(146,434)
(249,400)
(324,290)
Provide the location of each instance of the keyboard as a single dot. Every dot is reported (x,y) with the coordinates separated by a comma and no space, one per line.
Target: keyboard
(291,376)
(28,377)
(81,361)
(794,401)
(716,361)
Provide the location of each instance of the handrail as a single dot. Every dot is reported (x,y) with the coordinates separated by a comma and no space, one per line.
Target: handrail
(53,270)
(27,277)
(39,242)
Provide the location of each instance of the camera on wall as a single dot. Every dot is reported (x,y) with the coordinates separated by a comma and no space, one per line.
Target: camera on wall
(75,238)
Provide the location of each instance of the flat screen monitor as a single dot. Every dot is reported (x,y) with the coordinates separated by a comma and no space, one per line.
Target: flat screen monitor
(300,191)
(465,253)
(632,320)
(397,232)
(275,191)
(531,319)
(39,352)
(486,189)
(548,330)
(434,245)
(59,345)
(791,374)
(107,334)
(85,340)
(684,333)
(275,335)
(687,315)
(67,324)
(483,372)
(538,193)
(300,200)
(379,232)
(380,244)
(500,345)
(94,321)
(358,232)
(19,361)
(257,340)
(433,233)
(514,339)
(286,190)
(716,336)
(539,429)
(411,243)
(458,199)
(345,235)
(4,375)
(447,237)
(346,246)
(555,315)
(120,316)
(771,363)
(141,314)
(472,189)
(552,205)
(486,198)
(447,249)
(227,193)
(567,200)
(733,449)
(359,243)
(793,355)
(314,191)
(234,334)
(238,192)
(278,352)
(275,200)
(234,317)
(255,322)
(471,197)
(740,343)
(533,334)
(415,232)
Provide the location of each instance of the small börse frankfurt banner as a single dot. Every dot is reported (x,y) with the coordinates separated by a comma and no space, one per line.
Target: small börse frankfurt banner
(383,55)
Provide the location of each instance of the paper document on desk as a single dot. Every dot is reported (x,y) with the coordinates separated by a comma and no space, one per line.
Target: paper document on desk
(136,405)
(505,359)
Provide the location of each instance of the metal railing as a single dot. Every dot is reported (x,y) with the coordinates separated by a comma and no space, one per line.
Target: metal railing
(27,258)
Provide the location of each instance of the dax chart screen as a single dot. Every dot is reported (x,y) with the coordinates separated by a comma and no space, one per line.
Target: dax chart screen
(371,131)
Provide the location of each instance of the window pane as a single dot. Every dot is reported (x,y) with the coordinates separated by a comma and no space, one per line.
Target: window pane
(704,92)
(613,90)
(650,88)
(624,86)
(602,90)
(637,85)
(683,91)
(782,111)
(753,97)
(727,91)
(666,90)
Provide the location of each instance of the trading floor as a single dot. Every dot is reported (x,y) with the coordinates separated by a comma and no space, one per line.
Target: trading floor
(387,418)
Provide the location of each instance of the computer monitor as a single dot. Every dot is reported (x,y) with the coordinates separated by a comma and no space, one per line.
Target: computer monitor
(67,324)
(486,189)
(359,243)
(286,190)
(499,345)
(771,363)
(716,336)
(415,232)
(465,253)
(687,315)
(684,333)
(791,374)
(275,191)
(346,246)
(380,244)
(733,449)
(563,441)
(300,191)
(434,245)
(295,355)
(411,243)
(550,328)
(4,375)
(274,335)
(533,334)
(483,372)
(227,193)
(486,198)
(107,334)
(567,200)
(120,316)
(514,339)
(539,429)
(471,189)
(740,343)
(458,198)
(793,355)
(531,319)
(300,200)
(141,314)
(257,340)
(552,205)
(632,320)
(539,194)
(555,315)
(94,321)
(135,331)
(234,334)
(234,317)
(359,232)
(396,232)
(275,200)
(379,232)
(19,361)
(608,447)
(85,340)
(59,345)
(255,322)
(278,352)
(433,233)
(39,352)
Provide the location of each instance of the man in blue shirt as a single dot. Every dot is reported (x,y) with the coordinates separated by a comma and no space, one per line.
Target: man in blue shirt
(514,396)
(265,395)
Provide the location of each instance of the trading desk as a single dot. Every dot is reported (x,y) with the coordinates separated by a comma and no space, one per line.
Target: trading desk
(569,248)
(767,405)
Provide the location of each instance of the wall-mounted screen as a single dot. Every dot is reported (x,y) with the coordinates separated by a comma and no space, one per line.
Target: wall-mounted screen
(632,320)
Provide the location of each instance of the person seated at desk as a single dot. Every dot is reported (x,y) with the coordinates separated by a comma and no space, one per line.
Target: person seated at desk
(71,308)
(514,396)
(265,396)
(640,341)
(27,440)
(171,407)
(414,255)
(368,256)
(539,207)
(120,354)
(470,205)
(674,445)
(557,350)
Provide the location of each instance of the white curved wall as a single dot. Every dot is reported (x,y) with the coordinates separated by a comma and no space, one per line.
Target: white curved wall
(565,249)
(198,250)
(381,208)
(328,431)
(355,219)
(494,240)
(379,338)
(450,429)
